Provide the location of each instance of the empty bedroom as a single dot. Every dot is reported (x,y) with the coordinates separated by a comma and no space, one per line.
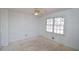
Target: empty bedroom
(39,29)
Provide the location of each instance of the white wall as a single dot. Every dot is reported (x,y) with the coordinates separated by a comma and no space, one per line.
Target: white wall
(71,36)
(15,25)
(0,27)
(21,24)
(4,27)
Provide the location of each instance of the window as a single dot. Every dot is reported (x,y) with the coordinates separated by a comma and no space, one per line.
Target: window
(49,27)
(57,24)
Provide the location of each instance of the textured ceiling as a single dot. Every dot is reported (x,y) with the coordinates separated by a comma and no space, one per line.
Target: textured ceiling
(44,11)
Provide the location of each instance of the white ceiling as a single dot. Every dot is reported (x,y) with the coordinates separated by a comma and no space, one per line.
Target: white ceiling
(43,10)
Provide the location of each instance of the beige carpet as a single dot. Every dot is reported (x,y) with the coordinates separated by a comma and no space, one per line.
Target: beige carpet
(38,43)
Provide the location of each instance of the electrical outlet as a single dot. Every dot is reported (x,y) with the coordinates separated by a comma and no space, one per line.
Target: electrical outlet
(25,35)
(52,37)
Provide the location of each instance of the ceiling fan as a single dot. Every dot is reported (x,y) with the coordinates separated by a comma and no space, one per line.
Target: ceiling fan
(38,11)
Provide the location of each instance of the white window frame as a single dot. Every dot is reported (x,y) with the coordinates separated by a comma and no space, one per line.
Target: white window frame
(54,25)
(59,26)
(49,25)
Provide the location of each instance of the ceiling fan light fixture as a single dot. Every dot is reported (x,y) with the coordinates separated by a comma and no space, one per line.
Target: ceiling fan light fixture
(36,12)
